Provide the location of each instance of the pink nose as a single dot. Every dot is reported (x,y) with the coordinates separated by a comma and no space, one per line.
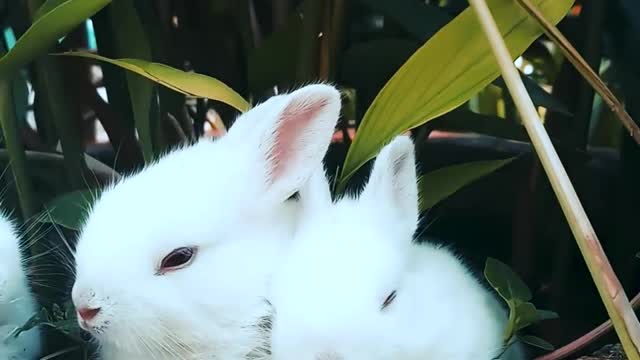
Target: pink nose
(87,314)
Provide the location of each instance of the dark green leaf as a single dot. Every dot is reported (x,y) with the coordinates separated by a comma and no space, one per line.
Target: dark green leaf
(525,314)
(69,210)
(539,95)
(440,184)
(419,19)
(506,282)
(462,120)
(275,61)
(46,31)
(132,42)
(546,315)
(537,342)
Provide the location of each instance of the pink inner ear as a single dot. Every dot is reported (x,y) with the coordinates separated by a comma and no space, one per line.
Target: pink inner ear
(295,118)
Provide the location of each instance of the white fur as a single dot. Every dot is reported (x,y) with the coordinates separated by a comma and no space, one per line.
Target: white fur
(227,197)
(348,257)
(17,303)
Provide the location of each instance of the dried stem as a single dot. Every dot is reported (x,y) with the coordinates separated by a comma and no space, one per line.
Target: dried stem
(611,292)
(584,69)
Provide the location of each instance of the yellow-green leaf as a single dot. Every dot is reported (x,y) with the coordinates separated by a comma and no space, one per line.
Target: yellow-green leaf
(439,184)
(46,7)
(445,72)
(47,29)
(185,82)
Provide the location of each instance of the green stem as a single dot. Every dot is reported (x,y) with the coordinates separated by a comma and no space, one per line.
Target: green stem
(15,148)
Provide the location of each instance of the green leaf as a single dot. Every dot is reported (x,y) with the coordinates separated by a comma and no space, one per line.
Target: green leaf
(46,30)
(525,314)
(46,7)
(537,342)
(506,282)
(439,184)
(445,72)
(185,82)
(419,19)
(546,315)
(69,210)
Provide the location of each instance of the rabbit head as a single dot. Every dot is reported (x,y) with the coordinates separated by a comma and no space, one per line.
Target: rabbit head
(175,261)
(346,262)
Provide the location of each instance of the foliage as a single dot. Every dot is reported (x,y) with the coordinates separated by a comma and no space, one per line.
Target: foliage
(517,295)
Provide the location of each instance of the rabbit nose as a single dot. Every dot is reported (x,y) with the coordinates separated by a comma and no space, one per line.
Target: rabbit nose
(87,314)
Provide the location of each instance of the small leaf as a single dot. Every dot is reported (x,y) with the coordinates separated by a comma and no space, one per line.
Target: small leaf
(445,72)
(525,315)
(188,83)
(47,29)
(546,315)
(69,210)
(537,342)
(506,282)
(439,184)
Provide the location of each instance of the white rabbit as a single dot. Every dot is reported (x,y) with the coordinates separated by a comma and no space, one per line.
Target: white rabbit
(175,261)
(355,286)
(17,304)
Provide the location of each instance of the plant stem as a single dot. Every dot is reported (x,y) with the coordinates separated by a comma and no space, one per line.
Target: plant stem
(611,292)
(585,70)
(15,149)
(308,58)
(586,339)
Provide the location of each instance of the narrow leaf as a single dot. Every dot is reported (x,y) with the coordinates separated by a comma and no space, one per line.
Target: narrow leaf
(441,183)
(47,7)
(537,342)
(46,30)
(131,41)
(445,72)
(546,315)
(185,82)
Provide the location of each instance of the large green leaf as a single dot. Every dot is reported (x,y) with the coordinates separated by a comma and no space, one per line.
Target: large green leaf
(46,30)
(46,7)
(185,82)
(439,184)
(445,72)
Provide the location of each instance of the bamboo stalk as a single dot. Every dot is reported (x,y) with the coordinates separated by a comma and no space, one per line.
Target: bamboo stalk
(584,69)
(615,300)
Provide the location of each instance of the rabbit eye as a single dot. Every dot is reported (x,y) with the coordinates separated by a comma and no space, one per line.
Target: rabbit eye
(177,259)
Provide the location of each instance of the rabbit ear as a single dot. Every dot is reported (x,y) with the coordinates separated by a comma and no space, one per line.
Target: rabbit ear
(393,183)
(294,132)
(315,194)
